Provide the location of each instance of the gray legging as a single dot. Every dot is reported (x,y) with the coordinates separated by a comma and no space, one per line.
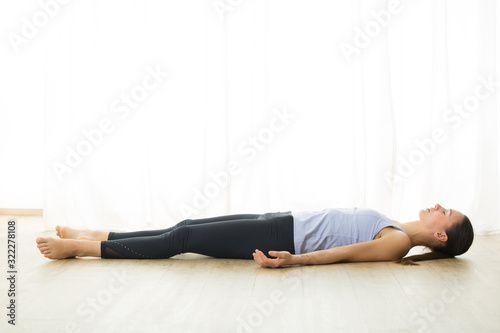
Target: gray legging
(230,236)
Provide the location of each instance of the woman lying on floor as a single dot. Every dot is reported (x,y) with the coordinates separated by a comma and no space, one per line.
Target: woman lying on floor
(306,238)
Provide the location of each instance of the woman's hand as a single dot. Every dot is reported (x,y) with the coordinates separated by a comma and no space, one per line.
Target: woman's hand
(282,258)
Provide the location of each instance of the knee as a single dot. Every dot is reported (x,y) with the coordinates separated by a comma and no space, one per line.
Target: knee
(184,222)
(179,224)
(181,231)
(177,238)
(178,231)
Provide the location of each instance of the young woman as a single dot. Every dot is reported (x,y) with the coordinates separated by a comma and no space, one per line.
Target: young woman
(325,237)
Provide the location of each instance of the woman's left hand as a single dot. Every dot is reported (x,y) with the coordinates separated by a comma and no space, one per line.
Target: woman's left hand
(282,258)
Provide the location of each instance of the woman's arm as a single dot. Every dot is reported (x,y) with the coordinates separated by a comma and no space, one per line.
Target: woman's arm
(392,245)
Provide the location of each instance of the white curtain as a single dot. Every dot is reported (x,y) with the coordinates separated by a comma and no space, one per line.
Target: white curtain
(157,111)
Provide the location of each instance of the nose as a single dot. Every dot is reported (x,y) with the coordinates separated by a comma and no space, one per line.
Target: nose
(437,206)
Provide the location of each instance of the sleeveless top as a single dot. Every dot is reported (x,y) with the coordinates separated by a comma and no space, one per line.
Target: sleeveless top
(330,227)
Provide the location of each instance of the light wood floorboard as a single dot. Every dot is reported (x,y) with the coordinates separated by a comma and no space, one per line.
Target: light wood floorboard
(193,293)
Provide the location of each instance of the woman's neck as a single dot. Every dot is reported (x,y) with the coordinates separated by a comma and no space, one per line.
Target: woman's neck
(418,236)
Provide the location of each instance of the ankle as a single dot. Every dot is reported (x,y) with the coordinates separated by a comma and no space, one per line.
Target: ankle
(103,236)
(98,235)
(87,248)
(79,248)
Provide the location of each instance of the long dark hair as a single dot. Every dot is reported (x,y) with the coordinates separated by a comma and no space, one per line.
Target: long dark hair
(460,237)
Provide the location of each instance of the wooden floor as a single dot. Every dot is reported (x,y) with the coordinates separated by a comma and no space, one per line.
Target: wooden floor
(192,293)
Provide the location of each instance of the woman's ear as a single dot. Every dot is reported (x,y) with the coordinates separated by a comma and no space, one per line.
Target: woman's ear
(441,236)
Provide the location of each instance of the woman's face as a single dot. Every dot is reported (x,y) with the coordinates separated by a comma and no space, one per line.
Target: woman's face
(440,218)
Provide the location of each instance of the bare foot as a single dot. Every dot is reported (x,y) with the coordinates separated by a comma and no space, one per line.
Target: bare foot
(70,233)
(54,248)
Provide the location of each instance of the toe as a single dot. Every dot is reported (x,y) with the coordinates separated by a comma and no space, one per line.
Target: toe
(41,240)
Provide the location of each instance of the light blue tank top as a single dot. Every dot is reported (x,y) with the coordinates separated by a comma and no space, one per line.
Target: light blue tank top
(330,227)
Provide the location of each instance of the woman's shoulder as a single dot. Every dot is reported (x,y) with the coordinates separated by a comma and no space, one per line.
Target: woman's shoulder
(394,235)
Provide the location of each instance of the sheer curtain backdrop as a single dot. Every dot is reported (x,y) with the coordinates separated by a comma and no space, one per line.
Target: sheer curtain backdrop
(158,111)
